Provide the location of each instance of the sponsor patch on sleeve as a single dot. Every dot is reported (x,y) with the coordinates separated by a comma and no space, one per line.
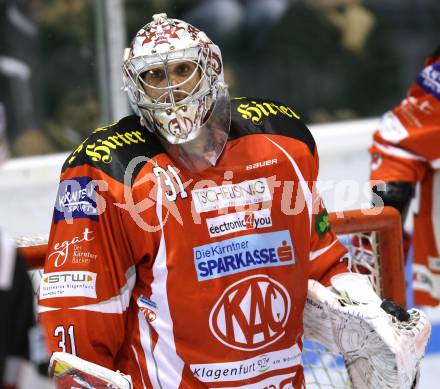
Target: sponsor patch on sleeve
(322,224)
(429,80)
(243,253)
(68,284)
(76,198)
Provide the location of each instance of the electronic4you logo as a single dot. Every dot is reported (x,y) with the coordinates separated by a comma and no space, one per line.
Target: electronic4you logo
(239,221)
(233,320)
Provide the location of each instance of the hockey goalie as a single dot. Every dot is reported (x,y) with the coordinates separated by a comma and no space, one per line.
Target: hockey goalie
(382,344)
(161,269)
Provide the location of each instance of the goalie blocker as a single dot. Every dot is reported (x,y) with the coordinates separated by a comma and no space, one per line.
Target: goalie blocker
(381,343)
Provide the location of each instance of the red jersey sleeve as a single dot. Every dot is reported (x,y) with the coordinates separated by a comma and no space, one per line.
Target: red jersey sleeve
(407,142)
(90,271)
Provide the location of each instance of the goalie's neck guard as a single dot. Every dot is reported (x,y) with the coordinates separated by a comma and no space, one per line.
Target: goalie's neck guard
(204,151)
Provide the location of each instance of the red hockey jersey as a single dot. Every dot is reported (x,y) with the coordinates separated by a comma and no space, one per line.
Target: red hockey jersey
(407,148)
(187,280)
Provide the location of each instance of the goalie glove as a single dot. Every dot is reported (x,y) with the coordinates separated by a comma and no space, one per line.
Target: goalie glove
(69,371)
(380,351)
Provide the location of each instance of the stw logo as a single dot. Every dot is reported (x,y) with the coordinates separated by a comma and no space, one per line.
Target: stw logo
(251,314)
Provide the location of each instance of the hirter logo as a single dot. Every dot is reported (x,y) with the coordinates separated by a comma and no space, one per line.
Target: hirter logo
(251,314)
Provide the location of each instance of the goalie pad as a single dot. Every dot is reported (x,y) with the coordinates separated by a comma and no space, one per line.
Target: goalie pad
(379,350)
(69,371)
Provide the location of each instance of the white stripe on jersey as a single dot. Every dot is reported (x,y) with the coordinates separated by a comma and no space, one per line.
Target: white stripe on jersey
(137,361)
(118,303)
(398,152)
(147,346)
(431,282)
(42,309)
(302,182)
(169,364)
(315,254)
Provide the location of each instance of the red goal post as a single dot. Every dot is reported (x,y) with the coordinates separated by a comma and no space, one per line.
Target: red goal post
(387,229)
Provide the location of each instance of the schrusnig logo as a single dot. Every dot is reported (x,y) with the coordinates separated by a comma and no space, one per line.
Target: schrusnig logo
(243,253)
(68,284)
(239,221)
(233,319)
(249,368)
(233,195)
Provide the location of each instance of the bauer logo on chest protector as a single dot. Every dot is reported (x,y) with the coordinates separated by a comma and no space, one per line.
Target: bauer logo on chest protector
(233,195)
(243,253)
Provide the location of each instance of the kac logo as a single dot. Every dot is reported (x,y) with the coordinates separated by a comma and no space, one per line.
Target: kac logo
(251,314)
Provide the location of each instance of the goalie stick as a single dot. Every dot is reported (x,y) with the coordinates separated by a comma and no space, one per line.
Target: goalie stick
(380,351)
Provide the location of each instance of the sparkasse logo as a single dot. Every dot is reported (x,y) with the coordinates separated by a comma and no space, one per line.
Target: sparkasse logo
(243,253)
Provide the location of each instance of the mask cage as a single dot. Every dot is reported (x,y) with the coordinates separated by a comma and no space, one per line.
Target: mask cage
(136,67)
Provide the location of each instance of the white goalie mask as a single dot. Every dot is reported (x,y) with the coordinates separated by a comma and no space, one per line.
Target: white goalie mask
(173,74)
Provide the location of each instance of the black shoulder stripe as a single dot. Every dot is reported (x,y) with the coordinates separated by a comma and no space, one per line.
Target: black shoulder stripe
(112,148)
(262,116)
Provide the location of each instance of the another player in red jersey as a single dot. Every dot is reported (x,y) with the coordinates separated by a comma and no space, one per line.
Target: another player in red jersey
(184,236)
(406,151)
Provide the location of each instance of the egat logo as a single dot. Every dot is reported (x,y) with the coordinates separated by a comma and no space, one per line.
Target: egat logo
(251,314)
(61,249)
